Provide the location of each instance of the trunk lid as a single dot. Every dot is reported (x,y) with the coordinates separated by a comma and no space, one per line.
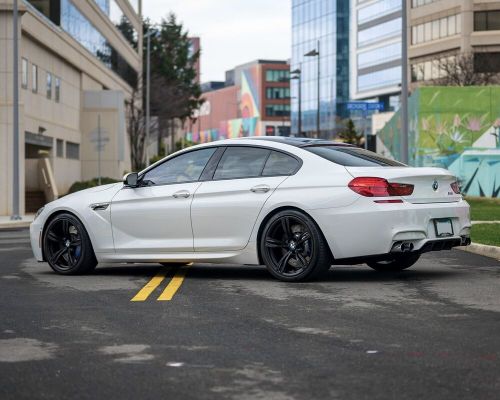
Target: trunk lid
(431,185)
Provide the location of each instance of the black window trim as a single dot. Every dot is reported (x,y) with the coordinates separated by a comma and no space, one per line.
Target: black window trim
(207,175)
(142,174)
(300,162)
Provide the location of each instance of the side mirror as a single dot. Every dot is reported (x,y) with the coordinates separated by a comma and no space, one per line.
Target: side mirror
(131,179)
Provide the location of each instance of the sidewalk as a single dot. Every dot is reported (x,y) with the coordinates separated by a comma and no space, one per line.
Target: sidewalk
(7,223)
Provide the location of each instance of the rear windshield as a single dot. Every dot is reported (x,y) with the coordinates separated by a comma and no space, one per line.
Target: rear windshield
(353,156)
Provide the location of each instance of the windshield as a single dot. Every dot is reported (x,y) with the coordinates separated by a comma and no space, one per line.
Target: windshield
(353,156)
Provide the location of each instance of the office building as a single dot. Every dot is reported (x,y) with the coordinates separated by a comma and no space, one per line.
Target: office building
(320,28)
(78,64)
(375,68)
(439,30)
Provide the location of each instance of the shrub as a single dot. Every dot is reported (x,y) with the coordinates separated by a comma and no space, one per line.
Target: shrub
(81,185)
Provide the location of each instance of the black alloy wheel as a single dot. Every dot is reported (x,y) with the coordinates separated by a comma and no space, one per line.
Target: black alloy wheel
(293,247)
(67,247)
(396,263)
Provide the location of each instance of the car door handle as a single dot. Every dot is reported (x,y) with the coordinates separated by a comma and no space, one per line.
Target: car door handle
(181,193)
(260,189)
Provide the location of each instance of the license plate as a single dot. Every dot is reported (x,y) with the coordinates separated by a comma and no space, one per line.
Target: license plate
(444,227)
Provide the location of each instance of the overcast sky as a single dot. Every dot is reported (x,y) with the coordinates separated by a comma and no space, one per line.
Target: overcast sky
(232,32)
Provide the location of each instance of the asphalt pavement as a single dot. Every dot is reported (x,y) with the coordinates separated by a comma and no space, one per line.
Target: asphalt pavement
(232,332)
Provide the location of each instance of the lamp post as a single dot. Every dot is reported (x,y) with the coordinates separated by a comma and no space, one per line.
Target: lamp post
(148,95)
(15,186)
(404,85)
(316,53)
(297,74)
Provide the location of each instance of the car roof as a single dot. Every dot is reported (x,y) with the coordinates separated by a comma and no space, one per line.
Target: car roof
(298,141)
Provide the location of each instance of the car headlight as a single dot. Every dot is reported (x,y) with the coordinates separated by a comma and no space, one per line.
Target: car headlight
(38,213)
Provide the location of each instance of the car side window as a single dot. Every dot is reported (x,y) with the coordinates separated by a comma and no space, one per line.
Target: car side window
(241,162)
(181,169)
(280,164)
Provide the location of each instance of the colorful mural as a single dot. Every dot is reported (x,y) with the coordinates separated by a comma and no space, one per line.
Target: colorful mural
(233,128)
(445,124)
(250,99)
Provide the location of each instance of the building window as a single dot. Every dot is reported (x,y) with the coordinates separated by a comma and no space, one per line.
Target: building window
(278,110)
(60,148)
(277,75)
(377,10)
(381,31)
(379,79)
(84,32)
(34,78)
(437,29)
(487,20)
(49,85)
(277,93)
(57,89)
(24,73)
(72,151)
(119,19)
(431,69)
(420,3)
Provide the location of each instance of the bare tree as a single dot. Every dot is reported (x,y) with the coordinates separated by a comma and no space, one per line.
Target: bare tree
(136,130)
(466,69)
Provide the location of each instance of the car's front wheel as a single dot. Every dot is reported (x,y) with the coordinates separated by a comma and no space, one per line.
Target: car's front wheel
(293,248)
(397,263)
(67,247)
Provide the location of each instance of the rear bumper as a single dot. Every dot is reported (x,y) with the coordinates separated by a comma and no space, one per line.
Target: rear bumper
(366,228)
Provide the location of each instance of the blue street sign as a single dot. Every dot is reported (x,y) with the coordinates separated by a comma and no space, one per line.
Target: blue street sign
(365,106)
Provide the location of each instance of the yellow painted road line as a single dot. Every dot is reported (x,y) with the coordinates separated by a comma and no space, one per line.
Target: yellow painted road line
(144,293)
(173,285)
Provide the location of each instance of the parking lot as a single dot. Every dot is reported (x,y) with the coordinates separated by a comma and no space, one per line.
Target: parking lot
(232,332)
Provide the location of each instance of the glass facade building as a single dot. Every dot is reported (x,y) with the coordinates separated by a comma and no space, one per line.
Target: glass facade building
(376,51)
(67,15)
(324,23)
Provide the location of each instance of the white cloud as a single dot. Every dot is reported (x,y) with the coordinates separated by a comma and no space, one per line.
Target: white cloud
(232,32)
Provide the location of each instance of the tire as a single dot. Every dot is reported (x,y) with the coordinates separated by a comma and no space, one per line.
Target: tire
(293,248)
(67,247)
(398,263)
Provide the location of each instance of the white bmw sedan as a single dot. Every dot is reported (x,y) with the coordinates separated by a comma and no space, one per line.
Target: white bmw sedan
(296,205)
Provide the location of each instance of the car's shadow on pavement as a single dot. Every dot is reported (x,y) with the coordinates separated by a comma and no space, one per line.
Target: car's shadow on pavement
(259,273)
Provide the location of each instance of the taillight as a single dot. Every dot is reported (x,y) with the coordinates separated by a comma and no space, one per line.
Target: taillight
(455,187)
(379,187)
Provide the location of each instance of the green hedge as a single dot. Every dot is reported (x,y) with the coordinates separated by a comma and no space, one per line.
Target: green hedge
(77,186)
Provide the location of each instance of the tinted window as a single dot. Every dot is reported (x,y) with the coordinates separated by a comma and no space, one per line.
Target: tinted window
(241,162)
(353,156)
(280,164)
(184,168)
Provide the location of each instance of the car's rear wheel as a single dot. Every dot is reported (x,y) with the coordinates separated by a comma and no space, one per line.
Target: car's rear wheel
(67,247)
(397,263)
(293,248)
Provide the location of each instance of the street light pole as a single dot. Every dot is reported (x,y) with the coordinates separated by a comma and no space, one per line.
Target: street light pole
(15,187)
(148,83)
(316,53)
(404,85)
(298,77)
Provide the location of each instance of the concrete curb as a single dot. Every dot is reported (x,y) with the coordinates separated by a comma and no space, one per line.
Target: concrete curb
(15,225)
(482,249)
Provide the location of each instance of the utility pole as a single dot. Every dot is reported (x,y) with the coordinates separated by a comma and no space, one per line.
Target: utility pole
(15,187)
(404,85)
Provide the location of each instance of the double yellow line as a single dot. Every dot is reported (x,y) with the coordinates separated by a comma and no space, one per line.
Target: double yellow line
(169,292)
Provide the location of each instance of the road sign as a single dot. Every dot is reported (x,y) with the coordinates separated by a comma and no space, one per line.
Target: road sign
(365,106)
